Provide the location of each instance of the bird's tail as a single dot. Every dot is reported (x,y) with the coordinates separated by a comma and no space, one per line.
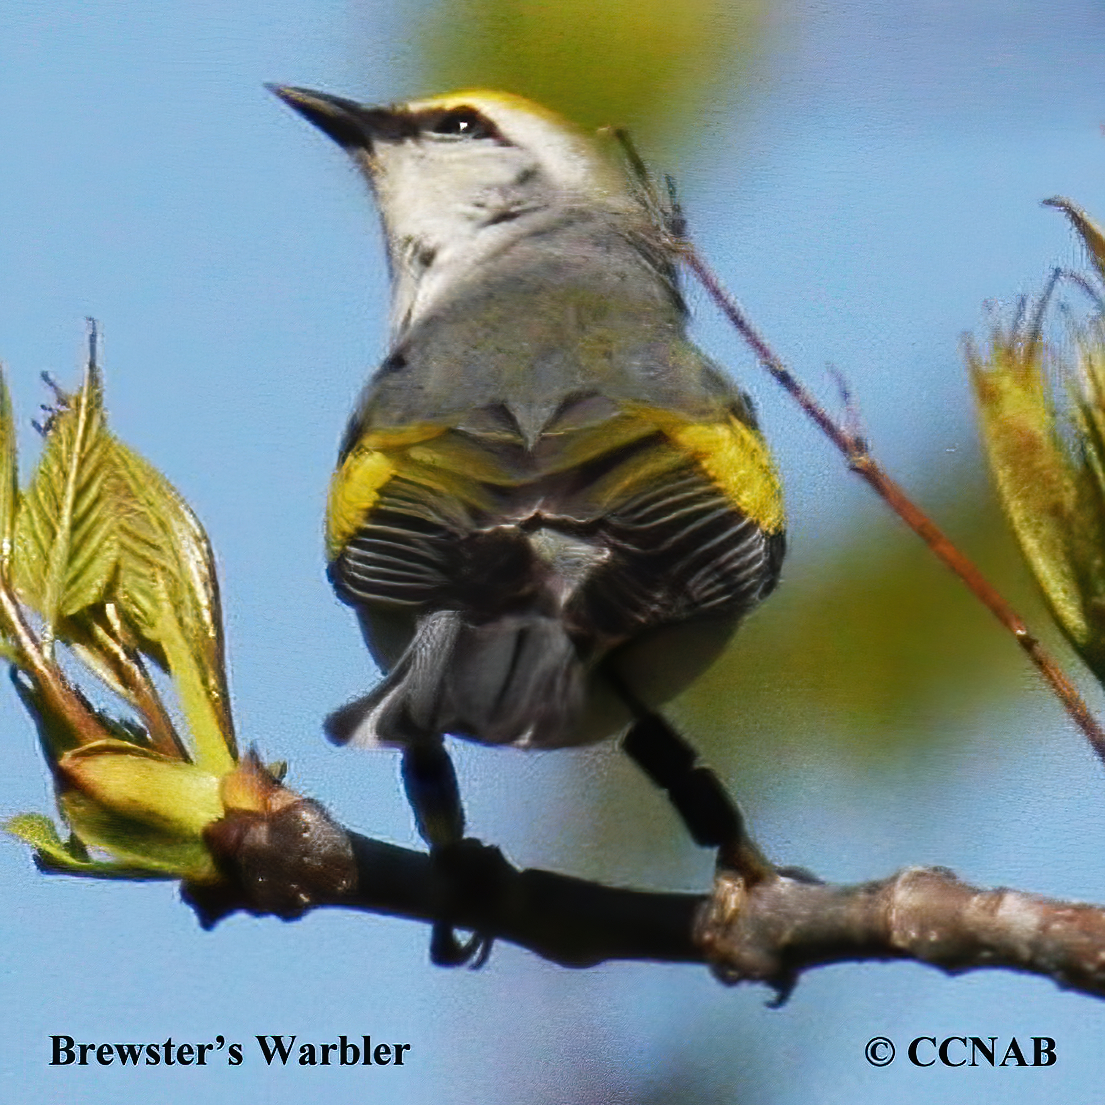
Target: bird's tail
(517,679)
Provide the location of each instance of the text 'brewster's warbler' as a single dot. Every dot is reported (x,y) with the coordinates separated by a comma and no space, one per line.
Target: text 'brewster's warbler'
(551,510)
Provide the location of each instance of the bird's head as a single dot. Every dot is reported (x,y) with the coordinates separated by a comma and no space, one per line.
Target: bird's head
(456,176)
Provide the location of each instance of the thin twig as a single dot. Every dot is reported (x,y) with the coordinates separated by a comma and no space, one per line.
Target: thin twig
(46,675)
(863,463)
(127,666)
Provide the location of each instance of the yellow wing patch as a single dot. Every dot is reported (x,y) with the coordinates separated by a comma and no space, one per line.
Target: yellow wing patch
(356,484)
(735,457)
(446,463)
(731,453)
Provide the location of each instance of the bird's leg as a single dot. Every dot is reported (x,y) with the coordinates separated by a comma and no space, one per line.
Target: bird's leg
(431,785)
(710,815)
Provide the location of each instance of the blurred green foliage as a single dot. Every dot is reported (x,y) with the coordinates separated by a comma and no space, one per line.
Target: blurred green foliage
(651,65)
(1045,441)
(870,647)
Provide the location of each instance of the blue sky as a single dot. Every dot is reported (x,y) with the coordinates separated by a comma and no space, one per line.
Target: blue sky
(881,184)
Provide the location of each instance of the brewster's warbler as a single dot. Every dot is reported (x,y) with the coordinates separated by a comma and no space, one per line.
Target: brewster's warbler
(550,510)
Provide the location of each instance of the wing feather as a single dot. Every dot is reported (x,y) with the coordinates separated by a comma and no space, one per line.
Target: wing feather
(671,530)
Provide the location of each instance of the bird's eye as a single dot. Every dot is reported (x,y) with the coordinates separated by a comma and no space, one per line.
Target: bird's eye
(462,122)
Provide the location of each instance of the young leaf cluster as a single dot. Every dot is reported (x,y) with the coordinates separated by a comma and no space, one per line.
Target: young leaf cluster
(100,554)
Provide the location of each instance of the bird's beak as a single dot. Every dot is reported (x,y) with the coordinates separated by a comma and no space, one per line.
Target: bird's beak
(353,126)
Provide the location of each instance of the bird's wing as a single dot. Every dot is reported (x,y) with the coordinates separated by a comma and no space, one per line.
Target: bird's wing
(659,517)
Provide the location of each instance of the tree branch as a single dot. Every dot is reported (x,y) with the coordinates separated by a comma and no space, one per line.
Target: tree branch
(785,926)
(770,932)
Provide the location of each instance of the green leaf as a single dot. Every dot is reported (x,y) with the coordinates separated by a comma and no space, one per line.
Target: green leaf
(162,545)
(143,808)
(39,831)
(177,798)
(64,540)
(167,588)
(1042,488)
(53,854)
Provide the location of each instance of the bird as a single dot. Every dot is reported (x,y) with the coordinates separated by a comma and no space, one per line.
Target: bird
(550,510)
